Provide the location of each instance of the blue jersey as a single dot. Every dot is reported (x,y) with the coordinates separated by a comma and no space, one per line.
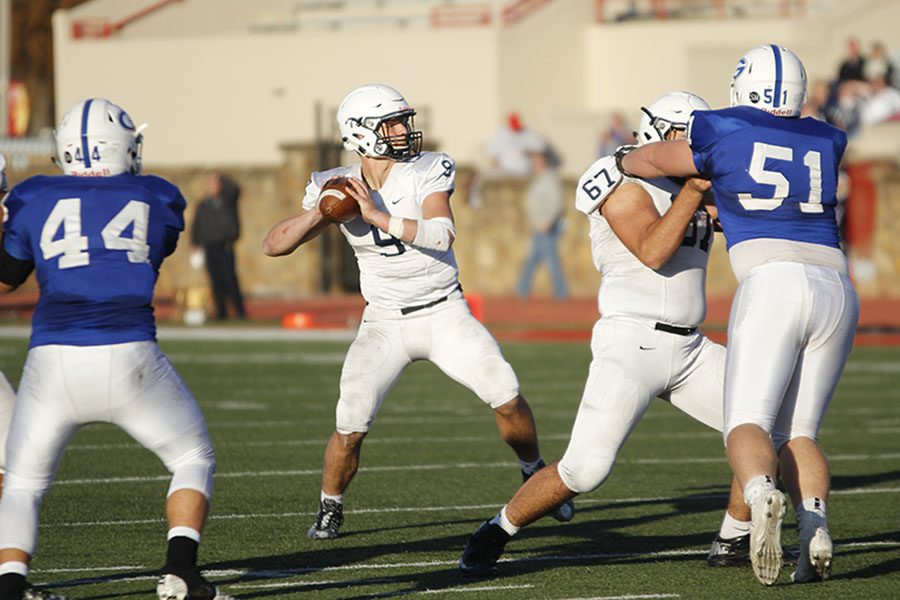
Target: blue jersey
(773,177)
(96,244)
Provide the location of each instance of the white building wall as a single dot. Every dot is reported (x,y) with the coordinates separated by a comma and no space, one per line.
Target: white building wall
(233,97)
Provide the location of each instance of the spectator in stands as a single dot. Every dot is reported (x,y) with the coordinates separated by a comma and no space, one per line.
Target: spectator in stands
(883,103)
(618,133)
(215,229)
(878,64)
(852,67)
(544,206)
(510,146)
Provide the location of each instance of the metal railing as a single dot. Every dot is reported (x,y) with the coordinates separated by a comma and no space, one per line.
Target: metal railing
(337,14)
(606,11)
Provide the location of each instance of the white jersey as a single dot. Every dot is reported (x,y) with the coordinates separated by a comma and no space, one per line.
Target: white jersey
(393,274)
(676,293)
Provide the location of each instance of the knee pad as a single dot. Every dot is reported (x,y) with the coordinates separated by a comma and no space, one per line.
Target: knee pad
(356,408)
(193,471)
(587,472)
(495,382)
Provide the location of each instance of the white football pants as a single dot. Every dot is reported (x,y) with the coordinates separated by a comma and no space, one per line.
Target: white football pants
(632,364)
(789,336)
(7,400)
(131,385)
(446,334)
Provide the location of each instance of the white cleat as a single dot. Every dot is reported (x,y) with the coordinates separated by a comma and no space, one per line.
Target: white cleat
(765,536)
(189,585)
(816,554)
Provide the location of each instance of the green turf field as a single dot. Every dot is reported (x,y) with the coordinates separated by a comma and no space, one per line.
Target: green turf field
(432,469)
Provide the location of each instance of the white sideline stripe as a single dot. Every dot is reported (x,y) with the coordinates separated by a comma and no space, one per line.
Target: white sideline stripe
(423,509)
(433,467)
(264,586)
(90,569)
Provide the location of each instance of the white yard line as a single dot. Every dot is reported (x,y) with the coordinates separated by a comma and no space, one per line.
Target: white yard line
(433,467)
(449,508)
(282,573)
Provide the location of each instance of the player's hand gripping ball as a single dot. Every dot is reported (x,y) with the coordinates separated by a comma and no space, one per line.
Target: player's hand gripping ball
(335,203)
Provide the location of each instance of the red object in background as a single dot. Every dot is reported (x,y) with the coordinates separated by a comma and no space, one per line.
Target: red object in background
(860,215)
(297,320)
(476,305)
(18,109)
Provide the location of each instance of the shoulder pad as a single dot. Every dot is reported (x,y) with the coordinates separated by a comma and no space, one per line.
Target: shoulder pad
(597,183)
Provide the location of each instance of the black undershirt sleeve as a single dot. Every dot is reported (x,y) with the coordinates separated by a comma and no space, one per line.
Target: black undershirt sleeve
(14,271)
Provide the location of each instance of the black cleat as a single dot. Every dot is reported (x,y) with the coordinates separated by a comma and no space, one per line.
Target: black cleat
(187,584)
(563,513)
(732,552)
(483,549)
(328,520)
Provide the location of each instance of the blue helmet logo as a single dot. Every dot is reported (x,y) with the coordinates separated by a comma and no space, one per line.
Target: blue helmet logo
(742,64)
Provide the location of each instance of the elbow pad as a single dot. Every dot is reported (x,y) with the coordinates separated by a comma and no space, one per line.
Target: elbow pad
(435,234)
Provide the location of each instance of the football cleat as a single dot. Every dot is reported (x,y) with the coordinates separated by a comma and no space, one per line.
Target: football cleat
(816,553)
(563,513)
(328,520)
(33,593)
(765,535)
(187,585)
(483,549)
(731,552)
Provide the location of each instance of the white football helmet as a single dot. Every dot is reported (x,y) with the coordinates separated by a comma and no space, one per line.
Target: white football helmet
(98,138)
(770,78)
(362,114)
(667,113)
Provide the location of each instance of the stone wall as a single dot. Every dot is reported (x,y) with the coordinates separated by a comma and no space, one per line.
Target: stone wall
(493,238)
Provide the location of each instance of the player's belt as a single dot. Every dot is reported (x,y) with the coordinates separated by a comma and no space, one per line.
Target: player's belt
(411,309)
(675,329)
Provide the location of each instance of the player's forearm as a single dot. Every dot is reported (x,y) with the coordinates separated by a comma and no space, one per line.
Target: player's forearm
(288,235)
(664,236)
(661,159)
(436,233)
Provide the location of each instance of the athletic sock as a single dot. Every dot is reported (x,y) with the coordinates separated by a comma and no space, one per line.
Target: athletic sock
(182,550)
(732,528)
(811,514)
(12,579)
(503,521)
(756,487)
(339,498)
(529,468)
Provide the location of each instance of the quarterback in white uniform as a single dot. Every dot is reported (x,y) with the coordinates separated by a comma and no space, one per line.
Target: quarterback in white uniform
(650,240)
(415,308)
(7,394)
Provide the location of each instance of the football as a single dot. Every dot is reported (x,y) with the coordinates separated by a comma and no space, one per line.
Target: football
(335,203)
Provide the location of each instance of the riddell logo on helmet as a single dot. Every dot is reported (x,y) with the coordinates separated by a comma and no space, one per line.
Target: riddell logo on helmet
(104,173)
